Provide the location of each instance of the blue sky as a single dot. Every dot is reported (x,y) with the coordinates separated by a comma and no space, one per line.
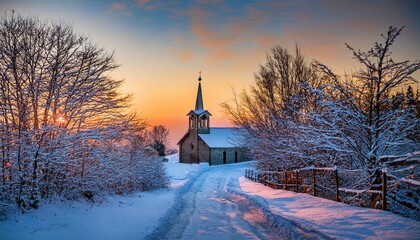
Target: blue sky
(161,45)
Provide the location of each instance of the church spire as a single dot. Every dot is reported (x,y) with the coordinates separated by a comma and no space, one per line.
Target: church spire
(199,100)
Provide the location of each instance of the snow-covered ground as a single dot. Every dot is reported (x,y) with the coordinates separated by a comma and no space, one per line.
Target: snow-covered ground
(205,202)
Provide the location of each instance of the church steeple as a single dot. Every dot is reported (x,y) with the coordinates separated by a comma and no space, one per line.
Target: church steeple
(199,119)
(199,99)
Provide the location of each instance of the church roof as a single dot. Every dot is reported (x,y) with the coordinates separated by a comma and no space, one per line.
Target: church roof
(222,137)
(199,112)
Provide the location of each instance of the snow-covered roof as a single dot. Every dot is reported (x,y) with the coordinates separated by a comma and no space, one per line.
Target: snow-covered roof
(222,137)
(199,112)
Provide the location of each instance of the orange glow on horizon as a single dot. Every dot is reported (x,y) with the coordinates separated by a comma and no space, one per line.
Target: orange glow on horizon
(161,47)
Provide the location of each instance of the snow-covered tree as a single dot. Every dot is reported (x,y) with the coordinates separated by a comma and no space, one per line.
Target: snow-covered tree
(274,108)
(361,119)
(300,114)
(64,126)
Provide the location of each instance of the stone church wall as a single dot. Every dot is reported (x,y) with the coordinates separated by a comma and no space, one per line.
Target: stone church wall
(227,155)
(188,149)
(203,151)
(193,149)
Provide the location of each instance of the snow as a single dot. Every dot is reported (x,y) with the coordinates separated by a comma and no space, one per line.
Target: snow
(205,202)
(348,190)
(332,219)
(115,217)
(199,112)
(221,137)
(410,181)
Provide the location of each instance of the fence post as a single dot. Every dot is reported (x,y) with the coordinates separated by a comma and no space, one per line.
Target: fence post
(297,180)
(285,180)
(383,190)
(273,183)
(265,179)
(336,185)
(262,178)
(313,181)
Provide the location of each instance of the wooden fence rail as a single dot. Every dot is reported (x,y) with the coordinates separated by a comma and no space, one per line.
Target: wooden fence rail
(312,181)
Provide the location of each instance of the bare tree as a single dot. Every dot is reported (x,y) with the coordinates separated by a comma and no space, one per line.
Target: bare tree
(298,114)
(363,119)
(158,138)
(64,125)
(272,109)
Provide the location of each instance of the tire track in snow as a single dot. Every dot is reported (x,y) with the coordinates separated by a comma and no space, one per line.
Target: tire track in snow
(204,211)
(254,231)
(211,206)
(176,214)
(282,227)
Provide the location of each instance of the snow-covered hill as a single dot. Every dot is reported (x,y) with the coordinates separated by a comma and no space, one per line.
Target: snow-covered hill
(205,202)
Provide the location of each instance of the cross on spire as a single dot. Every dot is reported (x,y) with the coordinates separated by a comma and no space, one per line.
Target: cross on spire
(199,100)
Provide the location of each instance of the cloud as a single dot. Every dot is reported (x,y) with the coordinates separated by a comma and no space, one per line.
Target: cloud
(145,4)
(210,1)
(117,7)
(223,32)
(220,35)
(154,5)
(267,40)
(185,54)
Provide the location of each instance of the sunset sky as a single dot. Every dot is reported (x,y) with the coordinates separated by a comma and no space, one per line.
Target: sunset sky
(162,45)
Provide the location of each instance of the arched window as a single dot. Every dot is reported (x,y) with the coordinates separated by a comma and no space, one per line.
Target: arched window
(204,121)
(224,157)
(193,122)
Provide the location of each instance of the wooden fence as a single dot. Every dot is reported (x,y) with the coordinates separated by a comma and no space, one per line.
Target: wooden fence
(322,182)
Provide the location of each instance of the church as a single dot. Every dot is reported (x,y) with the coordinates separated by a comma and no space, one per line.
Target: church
(202,143)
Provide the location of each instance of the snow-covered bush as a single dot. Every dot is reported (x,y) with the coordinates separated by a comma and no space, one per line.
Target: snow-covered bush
(64,126)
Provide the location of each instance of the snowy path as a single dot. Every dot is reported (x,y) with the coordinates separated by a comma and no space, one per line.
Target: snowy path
(209,211)
(205,202)
(219,203)
(214,208)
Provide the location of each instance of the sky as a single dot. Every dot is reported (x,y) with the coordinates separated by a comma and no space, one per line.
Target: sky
(162,45)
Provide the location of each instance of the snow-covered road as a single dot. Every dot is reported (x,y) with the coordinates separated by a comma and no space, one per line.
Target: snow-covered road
(209,210)
(219,203)
(204,202)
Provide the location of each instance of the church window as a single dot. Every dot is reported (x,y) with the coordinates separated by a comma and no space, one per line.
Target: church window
(204,121)
(236,156)
(193,122)
(224,157)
